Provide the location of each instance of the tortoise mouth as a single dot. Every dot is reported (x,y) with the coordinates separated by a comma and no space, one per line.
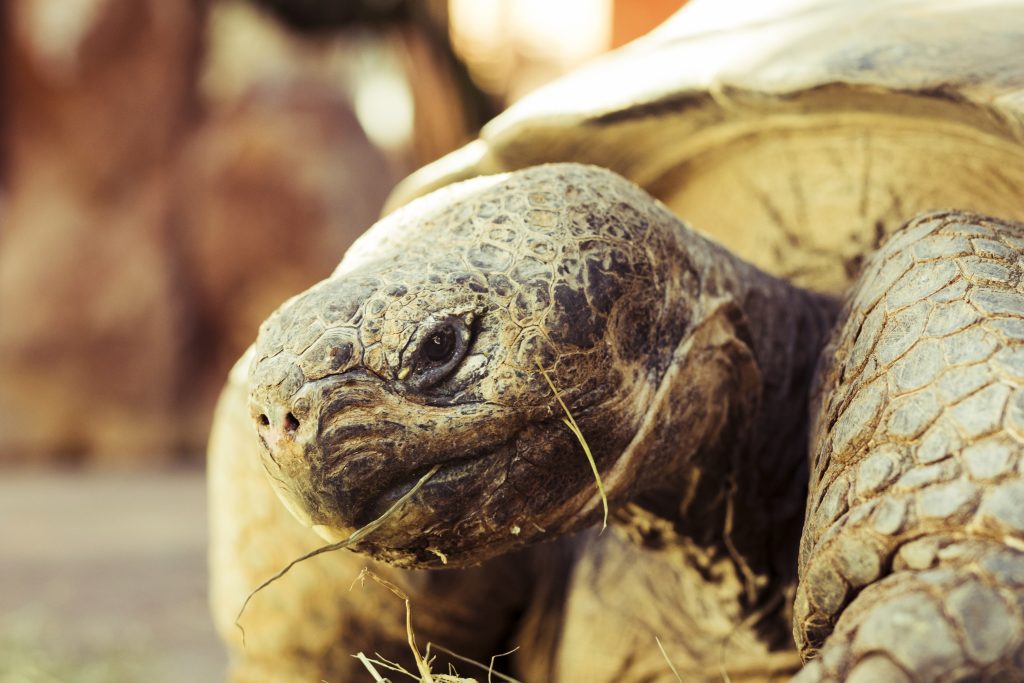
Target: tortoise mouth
(440,526)
(450,482)
(449,494)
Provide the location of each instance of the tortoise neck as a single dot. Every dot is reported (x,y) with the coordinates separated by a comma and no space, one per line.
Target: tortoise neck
(743,375)
(768,469)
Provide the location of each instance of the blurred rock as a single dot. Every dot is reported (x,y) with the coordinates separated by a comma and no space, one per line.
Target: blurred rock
(408,90)
(98,98)
(160,196)
(276,189)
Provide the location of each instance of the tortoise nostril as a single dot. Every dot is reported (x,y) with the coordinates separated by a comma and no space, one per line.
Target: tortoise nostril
(263,420)
(291,423)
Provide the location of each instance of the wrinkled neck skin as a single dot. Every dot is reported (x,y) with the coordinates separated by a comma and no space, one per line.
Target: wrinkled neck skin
(725,439)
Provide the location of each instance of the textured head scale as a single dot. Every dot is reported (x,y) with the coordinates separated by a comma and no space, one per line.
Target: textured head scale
(423,348)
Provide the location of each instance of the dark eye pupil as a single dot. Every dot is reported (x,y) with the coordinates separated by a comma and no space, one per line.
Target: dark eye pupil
(440,345)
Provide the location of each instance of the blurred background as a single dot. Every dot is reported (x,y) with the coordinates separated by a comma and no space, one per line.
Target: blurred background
(169,173)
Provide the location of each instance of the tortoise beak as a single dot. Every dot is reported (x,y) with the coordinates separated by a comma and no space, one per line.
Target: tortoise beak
(283,440)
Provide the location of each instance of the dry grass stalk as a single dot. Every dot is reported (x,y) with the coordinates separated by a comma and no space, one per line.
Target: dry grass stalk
(570,422)
(667,660)
(354,538)
(491,673)
(368,663)
(421,664)
(423,661)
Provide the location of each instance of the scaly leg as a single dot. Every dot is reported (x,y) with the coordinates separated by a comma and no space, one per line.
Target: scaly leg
(910,563)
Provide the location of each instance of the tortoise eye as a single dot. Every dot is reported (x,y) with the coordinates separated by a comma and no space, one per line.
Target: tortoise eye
(440,344)
(439,351)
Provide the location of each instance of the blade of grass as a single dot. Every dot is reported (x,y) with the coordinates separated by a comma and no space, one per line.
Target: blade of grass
(371,668)
(667,660)
(421,664)
(570,422)
(489,669)
(383,661)
(355,537)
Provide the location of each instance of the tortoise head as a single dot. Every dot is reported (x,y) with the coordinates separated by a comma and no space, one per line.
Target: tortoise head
(424,348)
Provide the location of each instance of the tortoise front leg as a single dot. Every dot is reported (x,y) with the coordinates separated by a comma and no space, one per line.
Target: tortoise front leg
(950,610)
(910,562)
(308,625)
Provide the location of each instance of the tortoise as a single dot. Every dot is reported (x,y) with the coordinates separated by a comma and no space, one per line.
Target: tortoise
(805,403)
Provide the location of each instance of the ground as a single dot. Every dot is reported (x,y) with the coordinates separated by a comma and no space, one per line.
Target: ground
(103,579)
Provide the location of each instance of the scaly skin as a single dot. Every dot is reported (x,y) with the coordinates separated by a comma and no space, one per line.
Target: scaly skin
(643,325)
(915,518)
(689,372)
(307,626)
(678,361)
